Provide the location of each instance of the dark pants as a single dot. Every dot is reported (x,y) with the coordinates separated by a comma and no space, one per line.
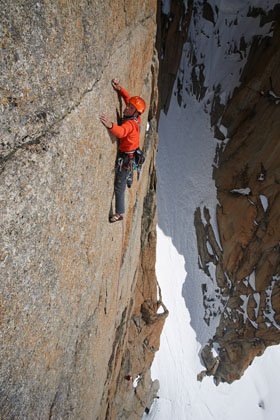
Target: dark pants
(124,177)
(120,184)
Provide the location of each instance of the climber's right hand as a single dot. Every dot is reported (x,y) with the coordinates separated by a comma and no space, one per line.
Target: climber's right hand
(106,121)
(116,84)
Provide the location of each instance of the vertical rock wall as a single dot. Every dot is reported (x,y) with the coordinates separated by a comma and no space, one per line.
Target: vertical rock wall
(68,277)
(248,190)
(172,33)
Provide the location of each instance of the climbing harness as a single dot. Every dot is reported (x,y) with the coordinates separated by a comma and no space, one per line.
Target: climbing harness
(129,162)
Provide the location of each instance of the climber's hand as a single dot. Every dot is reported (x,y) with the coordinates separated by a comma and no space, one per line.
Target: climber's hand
(106,121)
(116,84)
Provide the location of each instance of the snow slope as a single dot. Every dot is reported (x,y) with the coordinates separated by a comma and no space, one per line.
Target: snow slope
(181,396)
(184,170)
(184,167)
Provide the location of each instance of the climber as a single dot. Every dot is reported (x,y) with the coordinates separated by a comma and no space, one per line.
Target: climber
(128,134)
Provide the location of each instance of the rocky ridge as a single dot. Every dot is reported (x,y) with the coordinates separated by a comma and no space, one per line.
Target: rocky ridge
(247,180)
(245,256)
(79,301)
(241,259)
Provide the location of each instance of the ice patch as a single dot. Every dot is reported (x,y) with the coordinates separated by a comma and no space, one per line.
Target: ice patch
(214,224)
(209,248)
(269,311)
(257,300)
(223,129)
(245,315)
(242,191)
(214,352)
(264,201)
(252,280)
(137,380)
(160,310)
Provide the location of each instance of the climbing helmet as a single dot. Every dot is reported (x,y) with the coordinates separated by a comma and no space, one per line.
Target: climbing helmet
(138,103)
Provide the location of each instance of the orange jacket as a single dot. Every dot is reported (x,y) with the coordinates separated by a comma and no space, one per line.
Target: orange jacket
(129,131)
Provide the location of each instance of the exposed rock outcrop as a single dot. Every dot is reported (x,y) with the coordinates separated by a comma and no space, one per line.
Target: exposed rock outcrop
(171,36)
(79,296)
(247,180)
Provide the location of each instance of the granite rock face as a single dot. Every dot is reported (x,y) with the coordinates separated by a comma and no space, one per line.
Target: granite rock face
(73,320)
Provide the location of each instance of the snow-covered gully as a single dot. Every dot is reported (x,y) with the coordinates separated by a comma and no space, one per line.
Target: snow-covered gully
(185,163)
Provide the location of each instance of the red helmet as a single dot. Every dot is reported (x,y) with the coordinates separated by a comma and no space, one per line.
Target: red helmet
(138,103)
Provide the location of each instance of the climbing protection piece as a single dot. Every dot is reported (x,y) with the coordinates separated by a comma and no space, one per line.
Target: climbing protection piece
(139,159)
